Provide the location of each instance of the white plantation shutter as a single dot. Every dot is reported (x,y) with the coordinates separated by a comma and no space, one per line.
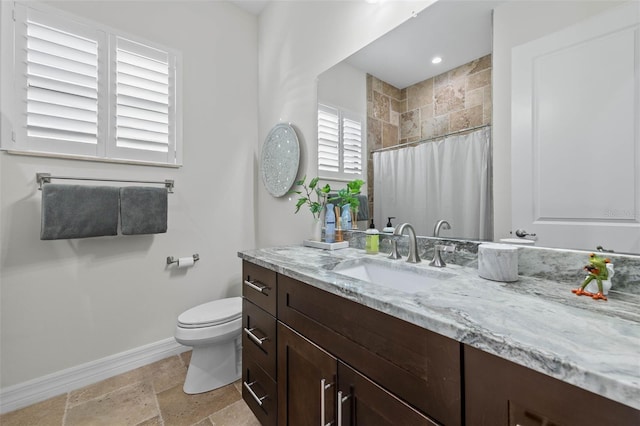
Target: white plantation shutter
(351,145)
(143,101)
(60,73)
(340,144)
(328,139)
(83,90)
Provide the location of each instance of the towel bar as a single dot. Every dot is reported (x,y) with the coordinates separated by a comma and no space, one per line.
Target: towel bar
(43,178)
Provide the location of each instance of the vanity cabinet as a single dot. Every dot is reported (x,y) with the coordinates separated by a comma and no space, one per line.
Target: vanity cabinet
(259,389)
(389,371)
(312,357)
(500,392)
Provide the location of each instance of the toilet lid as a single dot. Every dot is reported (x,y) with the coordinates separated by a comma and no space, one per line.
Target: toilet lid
(212,313)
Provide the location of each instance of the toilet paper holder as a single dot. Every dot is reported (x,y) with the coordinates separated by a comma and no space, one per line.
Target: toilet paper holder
(171,259)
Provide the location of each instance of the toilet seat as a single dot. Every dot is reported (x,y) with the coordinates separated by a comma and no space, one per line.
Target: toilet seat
(212,313)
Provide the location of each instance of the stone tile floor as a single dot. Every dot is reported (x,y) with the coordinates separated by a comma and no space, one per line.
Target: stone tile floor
(148,396)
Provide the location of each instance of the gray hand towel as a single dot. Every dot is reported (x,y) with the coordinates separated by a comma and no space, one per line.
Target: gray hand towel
(76,211)
(363,209)
(143,210)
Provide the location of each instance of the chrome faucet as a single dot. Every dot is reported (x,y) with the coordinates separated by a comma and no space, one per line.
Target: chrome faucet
(413,242)
(440,224)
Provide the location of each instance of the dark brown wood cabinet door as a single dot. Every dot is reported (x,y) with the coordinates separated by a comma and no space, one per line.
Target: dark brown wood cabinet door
(500,393)
(306,381)
(364,403)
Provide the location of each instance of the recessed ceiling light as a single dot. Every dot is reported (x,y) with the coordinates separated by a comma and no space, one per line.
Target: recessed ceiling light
(436,60)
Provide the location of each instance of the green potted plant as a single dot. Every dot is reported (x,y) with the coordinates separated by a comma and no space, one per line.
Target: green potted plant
(315,203)
(349,195)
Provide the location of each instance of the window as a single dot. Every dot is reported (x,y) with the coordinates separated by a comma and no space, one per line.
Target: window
(84,90)
(340,144)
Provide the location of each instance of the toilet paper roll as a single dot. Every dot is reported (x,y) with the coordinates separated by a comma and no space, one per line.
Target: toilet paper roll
(185,262)
(498,262)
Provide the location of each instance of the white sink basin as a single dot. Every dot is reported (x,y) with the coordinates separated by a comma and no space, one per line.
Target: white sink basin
(398,275)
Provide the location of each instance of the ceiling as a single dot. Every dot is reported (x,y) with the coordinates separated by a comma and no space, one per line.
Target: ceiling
(458,31)
(251,6)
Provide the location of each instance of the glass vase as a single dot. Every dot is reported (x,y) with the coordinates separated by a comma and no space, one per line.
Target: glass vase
(316,229)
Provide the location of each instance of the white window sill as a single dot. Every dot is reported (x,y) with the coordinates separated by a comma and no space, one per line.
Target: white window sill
(96,159)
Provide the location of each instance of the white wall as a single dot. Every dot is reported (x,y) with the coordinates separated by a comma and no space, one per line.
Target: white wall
(297,42)
(515,23)
(68,302)
(344,86)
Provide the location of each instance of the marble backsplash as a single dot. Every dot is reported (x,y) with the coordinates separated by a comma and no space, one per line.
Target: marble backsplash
(563,266)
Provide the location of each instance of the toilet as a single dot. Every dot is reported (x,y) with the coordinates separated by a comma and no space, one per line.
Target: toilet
(213,330)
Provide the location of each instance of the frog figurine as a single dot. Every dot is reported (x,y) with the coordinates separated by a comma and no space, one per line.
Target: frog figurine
(598,270)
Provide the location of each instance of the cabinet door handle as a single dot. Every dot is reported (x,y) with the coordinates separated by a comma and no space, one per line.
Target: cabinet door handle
(341,399)
(258,340)
(257,286)
(252,393)
(323,388)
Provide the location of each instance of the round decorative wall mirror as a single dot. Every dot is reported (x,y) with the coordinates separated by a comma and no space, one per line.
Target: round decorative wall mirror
(280,159)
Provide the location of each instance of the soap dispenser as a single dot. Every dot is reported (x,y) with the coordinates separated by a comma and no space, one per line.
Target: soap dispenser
(389,228)
(371,239)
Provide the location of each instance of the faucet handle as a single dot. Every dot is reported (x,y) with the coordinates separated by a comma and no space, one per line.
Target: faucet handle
(394,250)
(437,260)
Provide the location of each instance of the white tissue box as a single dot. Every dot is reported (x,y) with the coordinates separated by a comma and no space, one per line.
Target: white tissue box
(498,262)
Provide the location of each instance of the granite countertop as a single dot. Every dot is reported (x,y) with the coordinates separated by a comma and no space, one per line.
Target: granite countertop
(537,323)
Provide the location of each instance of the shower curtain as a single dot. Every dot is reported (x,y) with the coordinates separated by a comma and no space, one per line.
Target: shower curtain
(449,179)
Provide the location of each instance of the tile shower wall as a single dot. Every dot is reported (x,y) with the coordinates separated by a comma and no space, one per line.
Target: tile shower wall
(456,100)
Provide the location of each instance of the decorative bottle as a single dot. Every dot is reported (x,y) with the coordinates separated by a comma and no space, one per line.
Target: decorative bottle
(330,225)
(346,217)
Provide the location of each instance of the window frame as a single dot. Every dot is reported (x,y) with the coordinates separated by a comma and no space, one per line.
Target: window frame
(342,114)
(106,149)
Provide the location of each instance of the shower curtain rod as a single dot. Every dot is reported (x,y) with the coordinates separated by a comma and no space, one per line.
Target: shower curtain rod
(388,148)
(43,178)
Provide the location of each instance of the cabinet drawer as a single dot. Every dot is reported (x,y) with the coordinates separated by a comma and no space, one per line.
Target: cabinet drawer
(260,286)
(259,392)
(259,337)
(421,367)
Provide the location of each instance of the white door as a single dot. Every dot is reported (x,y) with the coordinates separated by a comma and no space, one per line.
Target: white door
(576,134)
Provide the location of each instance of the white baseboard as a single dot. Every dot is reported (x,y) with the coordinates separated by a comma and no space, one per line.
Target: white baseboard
(42,388)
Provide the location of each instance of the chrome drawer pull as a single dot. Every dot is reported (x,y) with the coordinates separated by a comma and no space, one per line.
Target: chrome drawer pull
(257,286)
(253,394)
(341,399)
(323,387)
(258,340)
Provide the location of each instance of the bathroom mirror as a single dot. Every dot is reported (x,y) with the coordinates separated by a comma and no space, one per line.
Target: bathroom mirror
(457,21)
(280,159)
